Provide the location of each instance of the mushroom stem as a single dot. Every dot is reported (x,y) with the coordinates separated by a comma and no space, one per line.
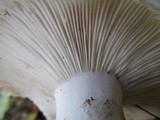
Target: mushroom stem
(90,96)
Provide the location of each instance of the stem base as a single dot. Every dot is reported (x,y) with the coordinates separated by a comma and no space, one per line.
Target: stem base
(90,96)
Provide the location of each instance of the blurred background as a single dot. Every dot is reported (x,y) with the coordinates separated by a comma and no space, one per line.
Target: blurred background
(15,108)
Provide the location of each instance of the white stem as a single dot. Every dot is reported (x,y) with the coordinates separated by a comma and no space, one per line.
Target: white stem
(90,96)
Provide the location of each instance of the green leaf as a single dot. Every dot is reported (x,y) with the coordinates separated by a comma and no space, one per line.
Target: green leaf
(4,105)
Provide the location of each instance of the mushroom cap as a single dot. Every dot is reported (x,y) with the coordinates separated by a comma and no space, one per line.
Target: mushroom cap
(44,43)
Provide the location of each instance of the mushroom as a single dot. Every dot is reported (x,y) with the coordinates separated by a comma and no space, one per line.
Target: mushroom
(86,57)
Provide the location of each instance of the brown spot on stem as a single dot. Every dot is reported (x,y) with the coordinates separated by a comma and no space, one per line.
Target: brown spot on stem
(92,98)
(107,101)
(88,101)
